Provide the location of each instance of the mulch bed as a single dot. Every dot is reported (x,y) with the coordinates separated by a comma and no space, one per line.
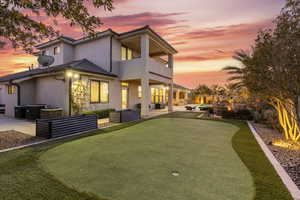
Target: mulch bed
(288,158)
(9,139)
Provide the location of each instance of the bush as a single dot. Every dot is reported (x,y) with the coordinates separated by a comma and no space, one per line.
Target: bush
(243,114)
(100,113)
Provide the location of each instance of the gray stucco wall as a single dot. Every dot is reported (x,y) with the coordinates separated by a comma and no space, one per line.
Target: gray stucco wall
(52,92)
(10,100)
(114,94)
(96,51)
(27,92)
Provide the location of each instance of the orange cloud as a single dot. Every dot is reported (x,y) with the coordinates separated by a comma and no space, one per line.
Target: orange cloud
(193,79)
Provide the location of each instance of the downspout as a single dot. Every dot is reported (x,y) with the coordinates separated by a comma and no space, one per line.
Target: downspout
(110,70)
(70,96)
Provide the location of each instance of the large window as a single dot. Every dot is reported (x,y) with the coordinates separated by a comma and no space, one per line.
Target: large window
(126,53)
(99,92)
(157,95)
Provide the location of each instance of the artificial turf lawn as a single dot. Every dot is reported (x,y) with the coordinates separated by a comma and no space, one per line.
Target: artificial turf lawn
(137,162)
(21,177)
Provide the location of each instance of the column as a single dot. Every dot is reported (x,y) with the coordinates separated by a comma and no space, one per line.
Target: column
(145,97)
(170,102)
(145,76)
(170,65)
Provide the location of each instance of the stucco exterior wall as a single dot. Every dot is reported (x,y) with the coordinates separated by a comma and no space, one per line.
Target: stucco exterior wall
(52,92)
(96,51)
(27,92)
(114,88)
(67,52)
(133,98)
(116,56)
(58,58)
(10,100)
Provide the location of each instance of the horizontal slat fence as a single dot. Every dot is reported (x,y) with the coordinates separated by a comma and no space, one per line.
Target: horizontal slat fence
(53,128)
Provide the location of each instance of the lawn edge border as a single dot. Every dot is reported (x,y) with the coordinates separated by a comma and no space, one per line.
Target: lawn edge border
(288,182)
(44,141)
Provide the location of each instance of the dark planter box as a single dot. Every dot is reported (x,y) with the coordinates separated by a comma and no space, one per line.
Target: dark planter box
(115,117)
(58,127)
(51,113)
(124,116)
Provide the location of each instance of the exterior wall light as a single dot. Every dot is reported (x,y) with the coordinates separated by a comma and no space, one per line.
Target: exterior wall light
(69,74)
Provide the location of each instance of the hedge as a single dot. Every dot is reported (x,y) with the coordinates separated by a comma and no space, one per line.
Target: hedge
(100,113)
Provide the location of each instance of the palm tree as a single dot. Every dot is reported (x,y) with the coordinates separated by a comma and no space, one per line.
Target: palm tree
(237,73)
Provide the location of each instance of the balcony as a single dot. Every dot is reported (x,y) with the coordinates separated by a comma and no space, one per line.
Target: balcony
(133,69)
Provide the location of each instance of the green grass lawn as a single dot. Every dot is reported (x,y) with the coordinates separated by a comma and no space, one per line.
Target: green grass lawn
(216,160)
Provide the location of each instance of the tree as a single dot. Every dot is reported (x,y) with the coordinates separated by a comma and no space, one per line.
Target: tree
(272,69)
(18,27)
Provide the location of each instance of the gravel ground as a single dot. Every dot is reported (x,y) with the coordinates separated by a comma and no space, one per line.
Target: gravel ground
(9,139)
(289,159)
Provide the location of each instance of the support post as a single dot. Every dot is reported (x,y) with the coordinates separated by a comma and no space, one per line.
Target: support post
(170,102)
(145,76)
(145,97)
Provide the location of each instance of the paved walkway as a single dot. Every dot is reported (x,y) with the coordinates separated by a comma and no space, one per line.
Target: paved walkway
(8,123)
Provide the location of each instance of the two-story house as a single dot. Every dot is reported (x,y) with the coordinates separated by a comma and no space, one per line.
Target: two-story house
(108,70)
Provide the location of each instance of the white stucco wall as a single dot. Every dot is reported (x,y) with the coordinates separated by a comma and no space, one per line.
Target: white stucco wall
(27,92)
(58,59)
(133,99)
(116,56)
(114,94)
(67,52)
(52,92)
(96,51)
(10,100)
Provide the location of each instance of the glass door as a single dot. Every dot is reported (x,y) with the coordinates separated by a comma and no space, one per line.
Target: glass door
(124,97)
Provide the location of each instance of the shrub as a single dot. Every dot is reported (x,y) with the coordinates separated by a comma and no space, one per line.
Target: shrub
(243,114)
(100,113)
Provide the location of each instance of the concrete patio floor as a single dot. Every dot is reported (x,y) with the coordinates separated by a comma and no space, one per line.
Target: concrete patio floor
(23,126)
(28,127)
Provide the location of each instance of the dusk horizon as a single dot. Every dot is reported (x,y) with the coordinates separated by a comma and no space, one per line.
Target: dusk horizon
(206,35)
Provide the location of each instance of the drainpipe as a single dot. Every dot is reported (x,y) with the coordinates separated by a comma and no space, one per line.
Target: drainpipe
(70,96)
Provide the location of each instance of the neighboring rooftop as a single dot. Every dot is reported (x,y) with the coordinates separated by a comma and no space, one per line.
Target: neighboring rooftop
(180,87)
(83,65)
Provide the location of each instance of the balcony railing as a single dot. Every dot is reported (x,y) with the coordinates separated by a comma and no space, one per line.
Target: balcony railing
(133,69)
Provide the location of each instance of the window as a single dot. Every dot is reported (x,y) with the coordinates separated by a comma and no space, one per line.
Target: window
(152,95)
(43,53)
(104,92)
(140,91)
(10,89)
(126,53)
(99,92)
(174,95)
(129,54)
(161,95)
(95,92)
(56,50)
(181,95)
(123,53)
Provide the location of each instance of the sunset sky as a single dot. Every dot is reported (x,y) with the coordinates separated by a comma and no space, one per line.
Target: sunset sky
(206,33)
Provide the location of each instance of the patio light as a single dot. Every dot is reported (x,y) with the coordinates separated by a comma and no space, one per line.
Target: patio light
(69,74)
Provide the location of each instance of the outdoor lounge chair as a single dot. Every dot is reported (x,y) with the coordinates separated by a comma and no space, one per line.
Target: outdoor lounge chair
(190,108)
